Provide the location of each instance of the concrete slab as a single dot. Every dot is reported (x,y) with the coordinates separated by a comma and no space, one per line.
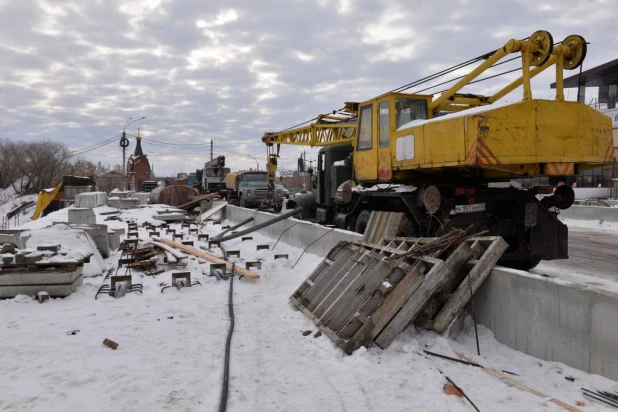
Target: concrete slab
(144,198)
(593,213)
(56,283)
(170,217)
(82,216)
(551,319)
(91,199)
(123,203)
(298,233)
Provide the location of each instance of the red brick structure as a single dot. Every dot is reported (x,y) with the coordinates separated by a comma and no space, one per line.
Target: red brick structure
(138,166)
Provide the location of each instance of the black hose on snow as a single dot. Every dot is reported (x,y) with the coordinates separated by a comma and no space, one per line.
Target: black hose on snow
(226,367)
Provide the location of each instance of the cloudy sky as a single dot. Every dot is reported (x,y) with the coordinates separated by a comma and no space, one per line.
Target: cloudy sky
(75,71)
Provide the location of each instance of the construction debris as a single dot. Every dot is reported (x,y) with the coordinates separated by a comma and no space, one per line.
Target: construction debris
(382,224)
(365,292)
(520,385)
(607,398)
(214,209)
(194,202)
(209,257)
(261,225)
(110,343)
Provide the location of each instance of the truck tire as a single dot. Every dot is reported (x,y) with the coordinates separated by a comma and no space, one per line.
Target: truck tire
(361,221)
(242,202)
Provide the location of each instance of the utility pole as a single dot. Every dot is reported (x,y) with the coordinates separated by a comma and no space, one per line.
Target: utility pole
(211,150)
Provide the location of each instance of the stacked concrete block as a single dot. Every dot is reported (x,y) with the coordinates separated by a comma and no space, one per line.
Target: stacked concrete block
(82,216)
(92,199)
(144,198)
(113,238)
(71,191)
(57,283)
(123,203)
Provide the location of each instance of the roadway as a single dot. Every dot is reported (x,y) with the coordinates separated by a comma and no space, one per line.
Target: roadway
(591,252)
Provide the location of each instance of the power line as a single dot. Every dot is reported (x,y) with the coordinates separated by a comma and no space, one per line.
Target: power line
(93,147)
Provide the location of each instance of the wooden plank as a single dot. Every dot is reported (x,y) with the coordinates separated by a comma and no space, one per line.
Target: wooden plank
(342,285)
(170,257)
(392,251)
(334,308)
(379,310)
(518,384)
(175,253)
(383,224)
(211,212)
(211,258)
(198,199)
(329,277)
(415,305)
(477,275)
(359,295)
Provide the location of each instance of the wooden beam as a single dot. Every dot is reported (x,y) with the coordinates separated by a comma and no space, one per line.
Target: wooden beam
(175,253)
(211,258)
(417,302)
(520,385)
(481,270)
(211,211)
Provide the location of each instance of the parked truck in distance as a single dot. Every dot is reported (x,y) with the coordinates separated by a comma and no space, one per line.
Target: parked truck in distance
(250,189)
(212,177)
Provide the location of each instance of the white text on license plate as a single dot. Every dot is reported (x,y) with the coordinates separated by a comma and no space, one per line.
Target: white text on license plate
(477,207)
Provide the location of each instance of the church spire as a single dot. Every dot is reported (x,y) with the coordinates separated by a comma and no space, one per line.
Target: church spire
(138,147)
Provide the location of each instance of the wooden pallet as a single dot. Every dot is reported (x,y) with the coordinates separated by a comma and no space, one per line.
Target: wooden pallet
(359,294)
(383,224)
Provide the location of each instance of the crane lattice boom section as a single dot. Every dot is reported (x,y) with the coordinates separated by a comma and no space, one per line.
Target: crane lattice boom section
(317,134)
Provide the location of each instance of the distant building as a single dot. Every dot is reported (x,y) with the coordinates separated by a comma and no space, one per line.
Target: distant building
(138,167)
(106,182)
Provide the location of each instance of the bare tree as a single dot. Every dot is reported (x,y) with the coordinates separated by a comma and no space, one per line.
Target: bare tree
(82,167)
(8,171)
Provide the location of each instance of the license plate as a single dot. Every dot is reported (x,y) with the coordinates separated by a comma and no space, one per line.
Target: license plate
(477,207)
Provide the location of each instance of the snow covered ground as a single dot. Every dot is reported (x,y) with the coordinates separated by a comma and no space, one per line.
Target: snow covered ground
(171,350)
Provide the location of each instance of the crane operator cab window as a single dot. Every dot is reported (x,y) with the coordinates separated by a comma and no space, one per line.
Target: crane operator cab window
(408,110)
(365,128)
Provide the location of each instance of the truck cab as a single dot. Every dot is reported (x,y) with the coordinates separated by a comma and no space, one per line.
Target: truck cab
(250,190)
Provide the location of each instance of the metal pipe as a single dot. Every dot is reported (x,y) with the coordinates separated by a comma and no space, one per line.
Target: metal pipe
(244,222)
(261,225)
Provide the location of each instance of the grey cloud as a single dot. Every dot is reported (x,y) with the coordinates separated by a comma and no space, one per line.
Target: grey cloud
(105,65)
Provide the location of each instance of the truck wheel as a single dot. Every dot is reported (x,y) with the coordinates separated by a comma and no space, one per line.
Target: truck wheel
(361,221)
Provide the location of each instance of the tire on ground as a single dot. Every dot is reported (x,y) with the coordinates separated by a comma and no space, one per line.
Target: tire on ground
(361,221)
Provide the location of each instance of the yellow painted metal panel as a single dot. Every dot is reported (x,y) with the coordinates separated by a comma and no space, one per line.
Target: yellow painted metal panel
(519,139)
(444,142)
(507,133)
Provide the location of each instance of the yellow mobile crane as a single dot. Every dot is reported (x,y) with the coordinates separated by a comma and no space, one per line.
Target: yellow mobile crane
(453,148)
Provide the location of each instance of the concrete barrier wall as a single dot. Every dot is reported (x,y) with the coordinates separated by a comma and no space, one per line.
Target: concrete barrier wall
(552,320)
(301,235)
(543,317)
(602,214)
(592,192)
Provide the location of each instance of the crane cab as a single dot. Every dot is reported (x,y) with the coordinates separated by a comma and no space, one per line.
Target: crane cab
(378,120)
